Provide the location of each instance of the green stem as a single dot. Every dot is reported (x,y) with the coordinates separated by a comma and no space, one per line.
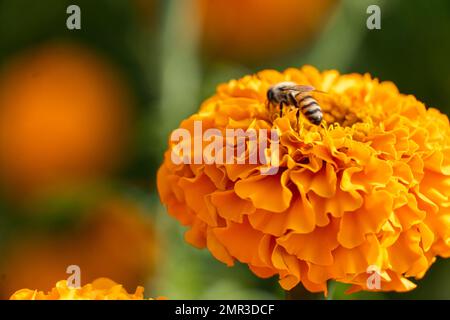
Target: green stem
(300,293)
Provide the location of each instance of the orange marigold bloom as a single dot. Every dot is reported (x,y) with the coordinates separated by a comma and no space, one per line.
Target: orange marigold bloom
(100,289)
(370,187)
(270,27)
(65,120)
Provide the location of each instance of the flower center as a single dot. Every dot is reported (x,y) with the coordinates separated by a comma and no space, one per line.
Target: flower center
(336,110)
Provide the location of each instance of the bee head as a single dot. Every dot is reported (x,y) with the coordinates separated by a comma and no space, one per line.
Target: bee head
(270,94)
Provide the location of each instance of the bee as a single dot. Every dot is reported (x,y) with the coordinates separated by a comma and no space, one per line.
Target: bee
(292,94)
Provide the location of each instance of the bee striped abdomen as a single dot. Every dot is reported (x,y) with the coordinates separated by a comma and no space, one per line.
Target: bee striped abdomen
(311,109)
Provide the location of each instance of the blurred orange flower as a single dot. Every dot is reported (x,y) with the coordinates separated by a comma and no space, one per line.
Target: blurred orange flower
(64,119)
(100,289)
(116,240)
(246,30)
(368,188)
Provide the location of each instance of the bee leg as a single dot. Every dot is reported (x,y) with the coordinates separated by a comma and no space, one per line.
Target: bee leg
(281,109)
(298,120)
(269,109)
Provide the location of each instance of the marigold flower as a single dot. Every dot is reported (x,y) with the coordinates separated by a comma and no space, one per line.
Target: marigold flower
(65,116)
(368,188)
(99,289)
(269,27)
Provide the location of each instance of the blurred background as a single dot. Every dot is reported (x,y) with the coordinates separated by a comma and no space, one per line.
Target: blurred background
(85,115)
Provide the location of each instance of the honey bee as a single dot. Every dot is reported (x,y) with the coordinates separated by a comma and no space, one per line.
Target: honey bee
(292,94)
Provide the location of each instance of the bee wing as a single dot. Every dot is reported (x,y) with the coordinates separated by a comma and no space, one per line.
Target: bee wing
(322,92)
(305,88)
(301,88)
